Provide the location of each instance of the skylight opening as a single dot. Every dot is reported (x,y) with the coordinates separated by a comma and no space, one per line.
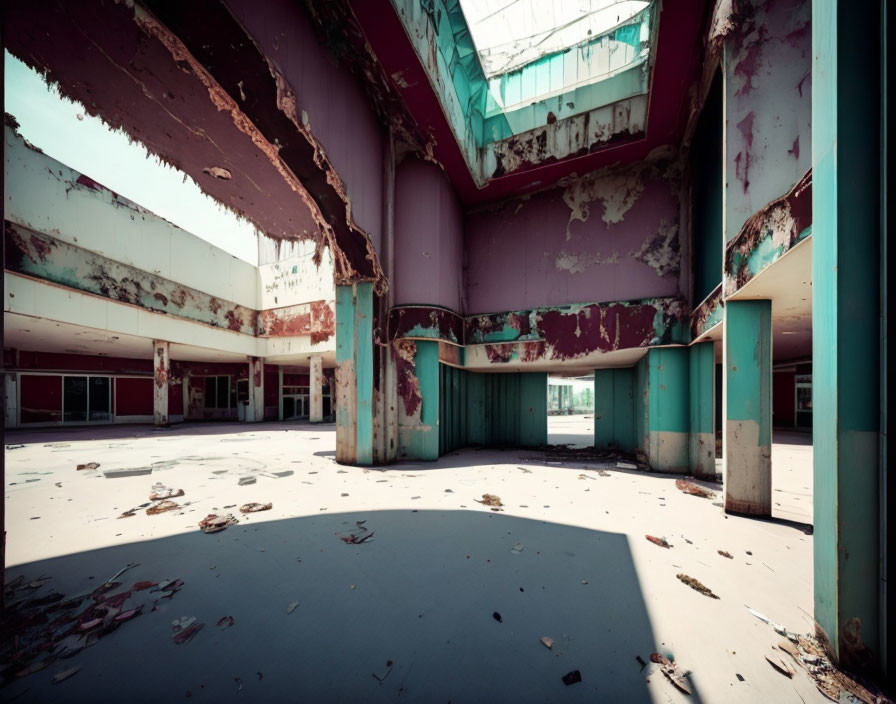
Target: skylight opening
(510,34)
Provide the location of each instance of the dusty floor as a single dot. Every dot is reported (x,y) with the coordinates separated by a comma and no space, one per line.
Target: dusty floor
(576,430)
(421,593)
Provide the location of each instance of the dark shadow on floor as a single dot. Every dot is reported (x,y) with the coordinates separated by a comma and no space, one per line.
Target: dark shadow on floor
(421,593)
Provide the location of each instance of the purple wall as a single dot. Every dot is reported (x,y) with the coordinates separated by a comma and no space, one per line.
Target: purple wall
(337,109)
(768,103)
(428,237)
(610,235)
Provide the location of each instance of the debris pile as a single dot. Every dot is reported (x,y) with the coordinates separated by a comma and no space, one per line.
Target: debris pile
(213,523)
(694,489)
(160,492)
(696,585)
(254,508)
(489,500)
(672,672)
(658,541)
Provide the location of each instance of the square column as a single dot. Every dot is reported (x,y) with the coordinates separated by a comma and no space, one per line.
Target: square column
(316,412)
(255,410)
(748,407)
(668,409)
(161,367)
(853,567)
(702,450)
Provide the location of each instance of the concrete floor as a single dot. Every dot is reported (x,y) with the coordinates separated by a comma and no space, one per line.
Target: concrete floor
(576,430)
(421,593)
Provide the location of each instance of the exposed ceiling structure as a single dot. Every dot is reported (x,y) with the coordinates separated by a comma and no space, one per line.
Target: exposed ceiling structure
(519,165)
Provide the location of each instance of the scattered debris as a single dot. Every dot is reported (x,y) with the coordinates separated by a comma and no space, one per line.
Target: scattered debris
(603,473)
(757,614)
(160,492)
(489,500)
(239,684)
(672,672)
(572,677)
(626,465)
(243,481)
(694,489)
(547,642)
(87,465)
(780,665)
(185,628)
(517,549)
(130,513)
(361,534)
(214,523)
(790,649)
(65,674)
(225,622)
(696,585)
(497,617)
(725,553)
(292,607)
(585,476)
(161,507)
(120,473)
(254,508)
(641,662)
(140,586)
(658,541)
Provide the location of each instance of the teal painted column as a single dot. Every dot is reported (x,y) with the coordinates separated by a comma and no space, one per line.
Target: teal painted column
(614,409)
(354,374)
(702,451)
(846,255)
(420,439)
(747,446)
(533,409)
(668,409)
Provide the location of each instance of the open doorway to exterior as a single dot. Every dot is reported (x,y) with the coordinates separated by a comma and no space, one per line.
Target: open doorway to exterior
(571,411)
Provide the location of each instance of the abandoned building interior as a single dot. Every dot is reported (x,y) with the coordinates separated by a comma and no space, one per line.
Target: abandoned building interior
(549,362)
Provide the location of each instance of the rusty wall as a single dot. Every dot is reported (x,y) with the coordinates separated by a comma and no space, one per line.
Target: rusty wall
(329,100)
(608,235)
(768,103)
(428,237)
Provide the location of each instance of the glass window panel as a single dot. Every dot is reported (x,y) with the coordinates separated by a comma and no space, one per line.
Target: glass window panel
(99,398)
(223,392)
(210,391)
(74,393)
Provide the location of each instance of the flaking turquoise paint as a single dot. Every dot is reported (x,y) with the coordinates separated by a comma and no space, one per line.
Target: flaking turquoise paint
(364,370)
(346,423)
(423,439)
(533,409)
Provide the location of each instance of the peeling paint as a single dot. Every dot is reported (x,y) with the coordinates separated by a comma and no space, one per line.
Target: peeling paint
(408,383)
(578,262)
(768,234)
(707,314)
(662,252)
(317,319)
(430,322)
(616,189)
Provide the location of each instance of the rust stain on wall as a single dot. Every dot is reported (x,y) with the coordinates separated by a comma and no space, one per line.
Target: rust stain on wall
(317,319)
(406,371)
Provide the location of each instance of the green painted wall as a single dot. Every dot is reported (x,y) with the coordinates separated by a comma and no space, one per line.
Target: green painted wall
(505,410)
(706,194)
(642,405)
(614,409)
(845,342)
